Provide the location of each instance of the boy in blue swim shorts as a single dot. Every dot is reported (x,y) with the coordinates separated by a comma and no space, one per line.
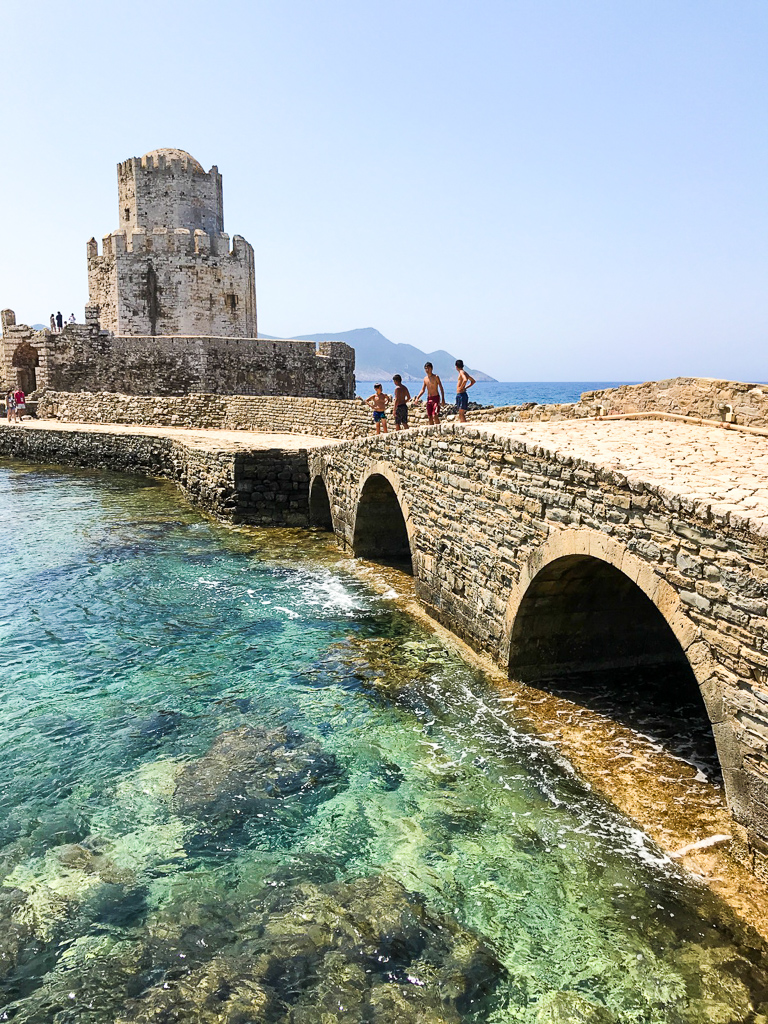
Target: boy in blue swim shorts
(378,401)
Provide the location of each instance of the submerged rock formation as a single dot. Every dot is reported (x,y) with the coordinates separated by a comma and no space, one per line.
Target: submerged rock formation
(366,950)
(247,769)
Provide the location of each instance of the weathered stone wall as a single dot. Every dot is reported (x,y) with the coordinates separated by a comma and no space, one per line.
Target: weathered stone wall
(685,396)
(172,191)
(177,281)
(83,358)
(342,418)
(168,269)
(484,513)
(268,488)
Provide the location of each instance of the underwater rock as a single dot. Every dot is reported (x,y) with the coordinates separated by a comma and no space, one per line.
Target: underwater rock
(247,769)
(14,933)
(220,992)
(367,950)
(571,1008)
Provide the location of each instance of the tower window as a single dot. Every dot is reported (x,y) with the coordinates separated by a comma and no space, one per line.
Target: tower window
(127,212)
(230,301)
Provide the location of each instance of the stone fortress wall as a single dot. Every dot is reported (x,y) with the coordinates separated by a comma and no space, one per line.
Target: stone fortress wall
(172,309)
(84,358)
(347,417)
(168,269)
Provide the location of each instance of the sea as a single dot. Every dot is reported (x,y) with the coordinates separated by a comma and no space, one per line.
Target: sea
(543,392)
(239,783)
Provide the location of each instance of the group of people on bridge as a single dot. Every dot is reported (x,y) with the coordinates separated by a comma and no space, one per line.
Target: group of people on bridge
(432,385)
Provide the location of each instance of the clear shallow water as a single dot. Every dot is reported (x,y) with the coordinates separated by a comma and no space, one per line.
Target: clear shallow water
(402,847)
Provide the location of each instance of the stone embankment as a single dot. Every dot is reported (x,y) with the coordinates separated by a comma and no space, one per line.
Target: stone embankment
(257,480)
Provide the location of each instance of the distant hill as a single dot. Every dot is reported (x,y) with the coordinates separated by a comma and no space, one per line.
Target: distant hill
(377,357)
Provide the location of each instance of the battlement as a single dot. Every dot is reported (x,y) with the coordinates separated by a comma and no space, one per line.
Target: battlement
(181,241)
(158,162)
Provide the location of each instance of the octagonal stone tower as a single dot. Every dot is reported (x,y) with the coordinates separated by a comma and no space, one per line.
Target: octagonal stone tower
(168,269)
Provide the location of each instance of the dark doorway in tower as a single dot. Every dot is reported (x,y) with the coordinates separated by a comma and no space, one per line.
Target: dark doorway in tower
(25,359)
(585,631)
(380,531)
(319,505)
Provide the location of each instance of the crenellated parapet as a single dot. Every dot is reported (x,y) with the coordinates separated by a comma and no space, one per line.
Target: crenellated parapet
(170,269)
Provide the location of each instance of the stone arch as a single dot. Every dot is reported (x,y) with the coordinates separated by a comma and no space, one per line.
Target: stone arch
(584,603)
(25,360)
(320,515)
(383,528)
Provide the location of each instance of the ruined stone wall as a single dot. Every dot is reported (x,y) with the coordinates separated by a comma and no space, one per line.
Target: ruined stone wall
(484,511)
(266,488)
(173,281)
(685,396)
(82,358)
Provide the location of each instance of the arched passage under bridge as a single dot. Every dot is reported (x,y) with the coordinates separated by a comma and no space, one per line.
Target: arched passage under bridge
(582,628)
(319,505)
(381,531)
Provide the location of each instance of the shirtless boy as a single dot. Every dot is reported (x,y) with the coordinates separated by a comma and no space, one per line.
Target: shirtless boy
(435,394)
(378,401)
(400,402)
(465,381)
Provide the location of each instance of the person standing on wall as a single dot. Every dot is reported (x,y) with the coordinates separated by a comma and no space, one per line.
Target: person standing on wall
(59,321)
(53,323)
(400,402)
(464,381)
(72,318)
(435,394)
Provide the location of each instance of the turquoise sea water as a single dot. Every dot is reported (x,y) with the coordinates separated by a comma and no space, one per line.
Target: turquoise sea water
(237,785)
(515,392)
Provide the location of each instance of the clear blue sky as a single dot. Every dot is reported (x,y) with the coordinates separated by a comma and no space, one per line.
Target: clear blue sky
(553,190)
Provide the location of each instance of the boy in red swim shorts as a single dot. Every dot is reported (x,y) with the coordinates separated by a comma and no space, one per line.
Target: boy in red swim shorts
(435,394)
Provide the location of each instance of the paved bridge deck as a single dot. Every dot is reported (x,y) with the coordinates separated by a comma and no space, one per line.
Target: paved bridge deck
(726,470)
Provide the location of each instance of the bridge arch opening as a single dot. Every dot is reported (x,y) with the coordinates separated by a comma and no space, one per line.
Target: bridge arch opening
(587,632)
(319,505)
(381,533)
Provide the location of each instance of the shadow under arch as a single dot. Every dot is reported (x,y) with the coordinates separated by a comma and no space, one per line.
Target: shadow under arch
(319,504)
(592,623)
(382,530)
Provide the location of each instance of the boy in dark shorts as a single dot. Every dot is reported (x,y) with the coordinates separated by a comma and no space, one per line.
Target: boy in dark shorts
(435,394)
(400,402)
(464,381)
(378,401)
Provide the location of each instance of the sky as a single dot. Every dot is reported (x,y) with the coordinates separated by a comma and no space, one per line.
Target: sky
(552,189)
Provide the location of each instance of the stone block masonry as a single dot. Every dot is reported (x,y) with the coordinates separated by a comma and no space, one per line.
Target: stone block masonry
(84,358)
(503,528)
(261,487)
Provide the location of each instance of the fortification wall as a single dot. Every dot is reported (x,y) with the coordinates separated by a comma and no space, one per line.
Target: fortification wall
(83,359)
(173,282)
(703,397)
(157,191)
(264,488)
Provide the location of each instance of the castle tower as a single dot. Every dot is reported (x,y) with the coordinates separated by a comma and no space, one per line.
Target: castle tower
(168,269)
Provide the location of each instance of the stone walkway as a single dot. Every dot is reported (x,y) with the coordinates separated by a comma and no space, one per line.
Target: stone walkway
(726,470)
(220,440)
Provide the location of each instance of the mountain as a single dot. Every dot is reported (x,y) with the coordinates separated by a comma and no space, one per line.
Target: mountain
(376,357)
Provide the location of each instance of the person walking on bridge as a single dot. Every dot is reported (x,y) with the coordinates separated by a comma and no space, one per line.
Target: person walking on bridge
(464,381)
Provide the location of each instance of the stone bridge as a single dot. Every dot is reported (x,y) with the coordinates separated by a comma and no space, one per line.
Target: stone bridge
(574,547)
